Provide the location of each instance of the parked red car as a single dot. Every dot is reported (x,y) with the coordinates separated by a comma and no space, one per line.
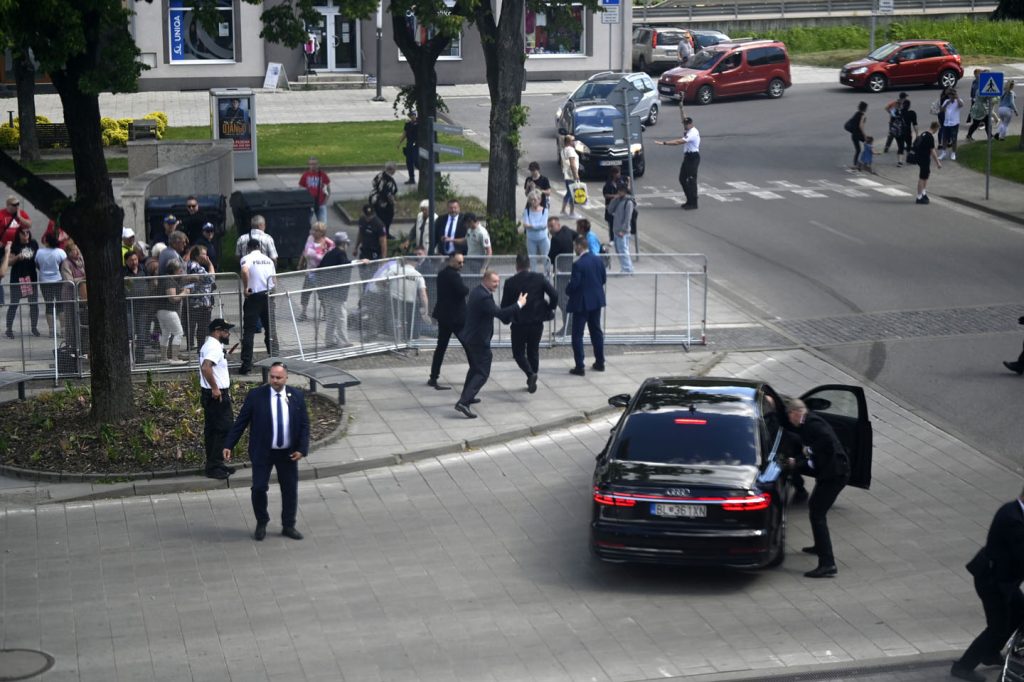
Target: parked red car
(728,69)
(908,62)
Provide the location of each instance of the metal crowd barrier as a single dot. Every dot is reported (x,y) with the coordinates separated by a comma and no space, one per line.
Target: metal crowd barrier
(344,311)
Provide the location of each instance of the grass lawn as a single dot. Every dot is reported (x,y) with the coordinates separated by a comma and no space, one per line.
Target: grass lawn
(1007,159)
(51,166)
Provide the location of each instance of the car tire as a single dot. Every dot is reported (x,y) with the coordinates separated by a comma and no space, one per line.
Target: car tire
(876,83)
(705,95)
(652,115)
(780,555)
(639,166)
(641,64)
(947,79)
(776,88)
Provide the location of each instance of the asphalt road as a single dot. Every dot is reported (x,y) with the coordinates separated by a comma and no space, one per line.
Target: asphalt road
(844,246)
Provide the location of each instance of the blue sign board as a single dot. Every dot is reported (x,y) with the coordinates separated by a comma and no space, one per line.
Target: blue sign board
(990,84)
(611,2)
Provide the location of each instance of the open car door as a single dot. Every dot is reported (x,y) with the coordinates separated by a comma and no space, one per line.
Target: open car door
(846,410)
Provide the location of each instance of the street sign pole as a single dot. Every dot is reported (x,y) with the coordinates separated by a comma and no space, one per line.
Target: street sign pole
(988,161)
(430,182)
(990,86)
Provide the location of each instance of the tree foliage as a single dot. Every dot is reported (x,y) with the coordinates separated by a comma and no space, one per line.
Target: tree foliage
(1009,10)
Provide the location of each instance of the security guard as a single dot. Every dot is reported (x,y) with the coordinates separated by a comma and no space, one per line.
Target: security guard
(258,276)
(215,397)
(691,161)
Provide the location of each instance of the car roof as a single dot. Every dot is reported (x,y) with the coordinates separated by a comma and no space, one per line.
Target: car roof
(921,41)
(743,43)
(711,393)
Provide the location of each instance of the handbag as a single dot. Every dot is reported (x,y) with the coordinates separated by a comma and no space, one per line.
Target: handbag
(579,192)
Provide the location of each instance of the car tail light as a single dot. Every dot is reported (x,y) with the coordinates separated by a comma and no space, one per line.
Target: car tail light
(611,500)
(749,503)
(654,39)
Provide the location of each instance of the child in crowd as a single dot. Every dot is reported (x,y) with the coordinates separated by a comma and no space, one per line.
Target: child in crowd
(867,156)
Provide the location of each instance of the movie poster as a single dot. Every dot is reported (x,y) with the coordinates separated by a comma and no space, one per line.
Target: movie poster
(234,121)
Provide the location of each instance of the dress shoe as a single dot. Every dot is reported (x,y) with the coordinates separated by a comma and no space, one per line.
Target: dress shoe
(35,332)
(965,673)
(993,660)
(799,497)
(228,469)
(218,474)
(531,383)
(9,334)
(1014,367)
(689,207)
(290,532)
(822,572)
(243,370)
(597,367)
(260,532)
(578,371)
(410,181)
(440,387)
(473,401)
(464,409)
(809,550)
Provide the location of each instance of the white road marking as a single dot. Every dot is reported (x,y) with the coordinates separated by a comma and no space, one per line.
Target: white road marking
(892,191)
(866,182)
(834,231)
(722,197)
(764,194)
(809,193)
(743,186)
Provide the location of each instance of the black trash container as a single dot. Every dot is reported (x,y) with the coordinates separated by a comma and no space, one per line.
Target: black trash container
(286,212)
(212,209)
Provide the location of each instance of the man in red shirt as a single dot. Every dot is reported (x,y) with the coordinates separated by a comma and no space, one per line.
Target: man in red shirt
(318,185)
(12,218)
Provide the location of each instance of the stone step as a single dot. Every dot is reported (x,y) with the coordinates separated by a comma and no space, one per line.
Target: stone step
(329,81)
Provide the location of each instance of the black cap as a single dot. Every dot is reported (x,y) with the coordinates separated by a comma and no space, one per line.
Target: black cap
(219,324)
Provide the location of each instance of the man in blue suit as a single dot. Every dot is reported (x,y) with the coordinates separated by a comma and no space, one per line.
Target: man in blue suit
(278,438)
(585,292)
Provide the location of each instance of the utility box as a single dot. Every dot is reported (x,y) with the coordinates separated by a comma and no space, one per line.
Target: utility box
(287,214)
(233,117)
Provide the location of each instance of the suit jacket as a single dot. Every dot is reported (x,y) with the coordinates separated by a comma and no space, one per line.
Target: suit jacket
(1002,558)
(827,453)
(535,285)
(586,285)
(561,242)
(440,225)
(256,414)
(481,310)
(450,306)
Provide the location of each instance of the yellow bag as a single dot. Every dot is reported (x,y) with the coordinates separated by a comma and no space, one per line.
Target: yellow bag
(579,192)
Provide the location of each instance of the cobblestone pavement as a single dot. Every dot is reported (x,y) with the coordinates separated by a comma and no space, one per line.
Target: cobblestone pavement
(474,566)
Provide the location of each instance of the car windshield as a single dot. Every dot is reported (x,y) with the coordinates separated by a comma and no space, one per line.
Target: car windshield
(666,39)
(596,119)
(687,437)
(884,52)
(599,90)
(704,59)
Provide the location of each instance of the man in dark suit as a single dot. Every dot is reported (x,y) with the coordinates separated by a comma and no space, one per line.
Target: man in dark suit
(998,569)
(528,327)
(278,438)
(586,298)
(481,311)
(826,460)
(449,311)
(562,238)
(450,231)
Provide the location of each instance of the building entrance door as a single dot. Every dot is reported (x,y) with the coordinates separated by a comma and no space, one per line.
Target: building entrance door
(337,42)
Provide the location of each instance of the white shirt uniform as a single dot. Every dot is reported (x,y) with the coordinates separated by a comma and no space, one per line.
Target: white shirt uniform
(213,351)
(261,271)
(285,442)
(477,241)
(692,137)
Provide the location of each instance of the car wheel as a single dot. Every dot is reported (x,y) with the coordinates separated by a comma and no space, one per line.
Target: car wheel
(705,94)
(639,166)
(947,79)
(652,115)
(776,88)
(877,83)
(780,555)
(641,64)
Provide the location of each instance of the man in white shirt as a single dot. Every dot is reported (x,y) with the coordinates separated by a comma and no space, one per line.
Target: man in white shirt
(951,108)
(258,279)
(406,292)
(691,161)
(257,233)
(215,397)
(478,244)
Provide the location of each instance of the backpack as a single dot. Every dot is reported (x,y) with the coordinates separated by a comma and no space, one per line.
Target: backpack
(851,125)
(896,126)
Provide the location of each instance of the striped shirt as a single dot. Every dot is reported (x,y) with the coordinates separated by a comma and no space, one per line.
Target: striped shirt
(267,246)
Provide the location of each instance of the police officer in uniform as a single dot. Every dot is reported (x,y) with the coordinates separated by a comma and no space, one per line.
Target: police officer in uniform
(691,161)
(215,397)
(258,275)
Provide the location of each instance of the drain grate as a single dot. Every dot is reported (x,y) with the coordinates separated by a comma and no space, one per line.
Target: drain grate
(22,664)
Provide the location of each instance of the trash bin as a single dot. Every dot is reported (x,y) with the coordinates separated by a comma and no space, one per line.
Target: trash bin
(212,209)
(286,212)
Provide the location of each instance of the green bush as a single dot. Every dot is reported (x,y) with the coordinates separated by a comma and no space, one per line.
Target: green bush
(9,136)
(505,237)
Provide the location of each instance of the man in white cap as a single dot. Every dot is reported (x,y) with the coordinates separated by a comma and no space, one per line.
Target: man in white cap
(333,274)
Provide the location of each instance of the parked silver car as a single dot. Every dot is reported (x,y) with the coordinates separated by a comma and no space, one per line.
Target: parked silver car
(598,87)
(656,48)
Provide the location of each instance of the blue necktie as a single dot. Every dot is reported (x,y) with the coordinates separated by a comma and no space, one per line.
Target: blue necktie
(280,425)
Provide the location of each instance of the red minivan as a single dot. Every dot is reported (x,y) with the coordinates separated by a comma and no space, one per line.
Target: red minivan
(746,67)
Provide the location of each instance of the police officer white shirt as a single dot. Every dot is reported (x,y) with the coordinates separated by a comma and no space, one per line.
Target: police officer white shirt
(260,272)
(691,140)
(213,352)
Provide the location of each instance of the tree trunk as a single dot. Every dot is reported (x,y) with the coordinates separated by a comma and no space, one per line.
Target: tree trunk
(504,55)
(94,221)
(25,79)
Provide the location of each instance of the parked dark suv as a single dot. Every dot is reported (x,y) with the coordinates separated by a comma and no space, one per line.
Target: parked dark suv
(729,69)
(908,62)
(593,126)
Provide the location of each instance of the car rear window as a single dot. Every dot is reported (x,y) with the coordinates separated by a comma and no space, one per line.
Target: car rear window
(666,39)
(687,437)
(950,49)
(598,90)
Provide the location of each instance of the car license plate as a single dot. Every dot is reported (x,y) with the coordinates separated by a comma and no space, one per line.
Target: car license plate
(610,163)
(686,511)
(667,89)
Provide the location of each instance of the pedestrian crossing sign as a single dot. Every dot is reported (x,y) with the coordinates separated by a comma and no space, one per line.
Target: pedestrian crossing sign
(990,84)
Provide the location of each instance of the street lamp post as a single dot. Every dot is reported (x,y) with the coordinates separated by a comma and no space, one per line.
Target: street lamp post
(380,35)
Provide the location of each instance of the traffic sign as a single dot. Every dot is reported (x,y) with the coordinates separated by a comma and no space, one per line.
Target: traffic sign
(611,15)
(459,167)
(885,6)
(447,149)
(615,3)
(619,129)
(451,130)
(990,84)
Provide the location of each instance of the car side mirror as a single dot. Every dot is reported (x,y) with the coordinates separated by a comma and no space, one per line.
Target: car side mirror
(620,400)
(563,131)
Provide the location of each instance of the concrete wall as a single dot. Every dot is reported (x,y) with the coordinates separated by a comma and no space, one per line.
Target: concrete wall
(175,168)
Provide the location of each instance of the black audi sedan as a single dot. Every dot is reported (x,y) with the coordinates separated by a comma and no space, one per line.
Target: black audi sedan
(692,471)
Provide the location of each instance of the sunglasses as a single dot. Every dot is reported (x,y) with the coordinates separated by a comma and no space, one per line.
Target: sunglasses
(192,205)
(15,204)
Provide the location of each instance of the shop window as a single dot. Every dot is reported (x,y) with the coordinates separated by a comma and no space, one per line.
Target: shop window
(559,31)
(190,42)
(422,34)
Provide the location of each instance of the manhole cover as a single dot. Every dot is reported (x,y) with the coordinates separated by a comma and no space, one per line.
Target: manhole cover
(21,664)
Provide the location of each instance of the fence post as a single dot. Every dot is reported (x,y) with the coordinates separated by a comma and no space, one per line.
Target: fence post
(655,307)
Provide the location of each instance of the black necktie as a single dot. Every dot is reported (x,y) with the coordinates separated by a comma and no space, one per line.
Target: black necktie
(280,425)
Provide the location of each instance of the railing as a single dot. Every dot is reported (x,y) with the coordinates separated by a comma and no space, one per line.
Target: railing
(338,312)
(688,10)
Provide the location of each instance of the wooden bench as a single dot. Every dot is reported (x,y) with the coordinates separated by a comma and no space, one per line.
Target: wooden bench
(142,128)
(52,135)
(325,375)
(8,378)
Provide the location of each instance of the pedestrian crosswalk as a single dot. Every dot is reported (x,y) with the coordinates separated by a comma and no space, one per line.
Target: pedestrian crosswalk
(654,196)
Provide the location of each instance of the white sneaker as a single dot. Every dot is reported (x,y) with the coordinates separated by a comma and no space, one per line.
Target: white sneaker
(942,155)
(952,157)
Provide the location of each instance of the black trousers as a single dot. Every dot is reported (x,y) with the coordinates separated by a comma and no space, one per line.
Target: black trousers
(197,325)
(444,335)
(1004,610)
(976,122)
(287,478)
(688,176)
(824,496)
(33,307)
(479,357)
(217,420)
(411,155)
(255,309)
(526,346)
